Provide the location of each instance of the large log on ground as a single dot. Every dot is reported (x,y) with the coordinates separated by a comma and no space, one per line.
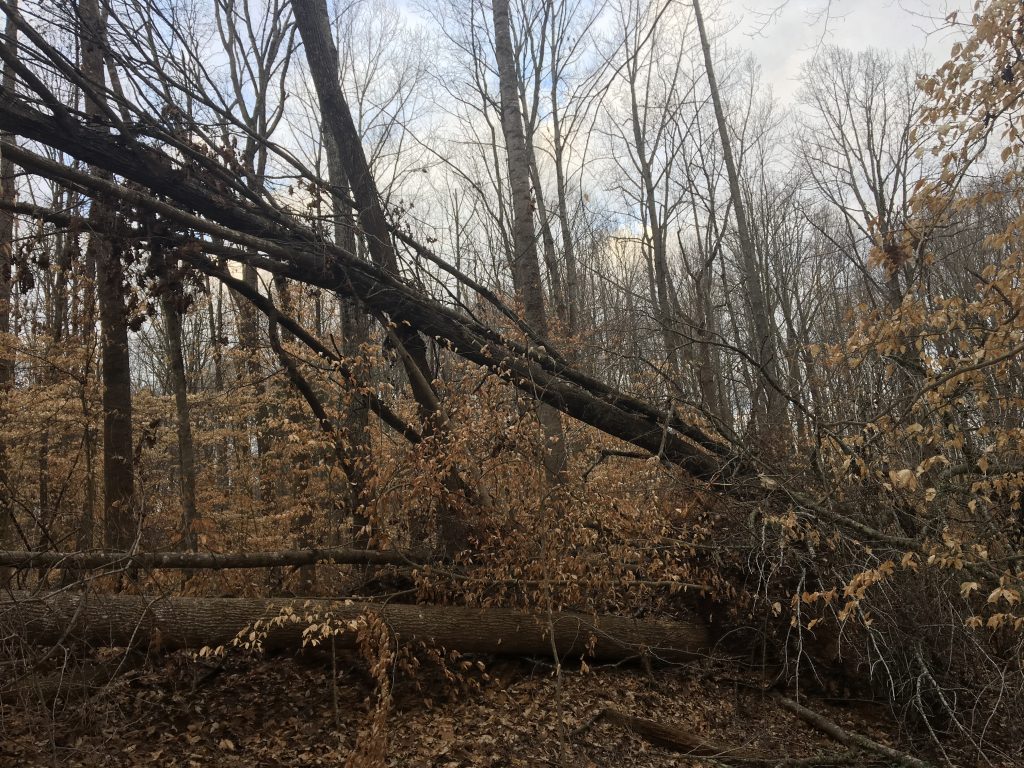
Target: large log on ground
(205,560)
(193,622)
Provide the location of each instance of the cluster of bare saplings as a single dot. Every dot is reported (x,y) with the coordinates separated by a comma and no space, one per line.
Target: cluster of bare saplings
(516,329)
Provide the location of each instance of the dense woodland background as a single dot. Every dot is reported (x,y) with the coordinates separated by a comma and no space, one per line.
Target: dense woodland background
(526,312)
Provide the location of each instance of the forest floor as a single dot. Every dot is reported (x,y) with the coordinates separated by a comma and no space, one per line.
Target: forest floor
(285,712)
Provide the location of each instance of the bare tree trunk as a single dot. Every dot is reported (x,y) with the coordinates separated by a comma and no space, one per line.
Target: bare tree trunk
(314,27)
(355,331)
(709,375)
(656,226)
(7,195)
(65,243)
(250,371)
(118,466)
(765,353)
(171,300)
(86,328)
(313,23)
(548,239)
(572,289)
(248,326)
(543,219)
(220,449)
(557,13)
(526,266)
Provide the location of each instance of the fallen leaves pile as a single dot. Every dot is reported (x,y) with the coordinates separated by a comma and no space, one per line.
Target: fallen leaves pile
(287,712)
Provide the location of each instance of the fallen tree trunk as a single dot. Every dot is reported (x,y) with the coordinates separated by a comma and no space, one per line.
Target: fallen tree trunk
(674,737)
(194,622)
(85,561)
(289,249)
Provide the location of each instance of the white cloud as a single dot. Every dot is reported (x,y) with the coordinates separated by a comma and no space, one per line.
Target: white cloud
(783,34)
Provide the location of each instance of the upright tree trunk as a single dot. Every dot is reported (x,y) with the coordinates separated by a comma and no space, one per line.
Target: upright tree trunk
(250,372)
(215,325)
(7,194)
(656,225)
(548,239)
(57,312)
(313,23)
(525,262)
(84,325)
(572,290)
(171,300)
(547,236)
(765,353)
(554,14)
(355,332)
(709,374)
(118,466)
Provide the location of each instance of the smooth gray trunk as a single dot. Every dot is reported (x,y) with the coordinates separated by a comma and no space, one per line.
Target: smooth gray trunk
(771,416)
(525,260)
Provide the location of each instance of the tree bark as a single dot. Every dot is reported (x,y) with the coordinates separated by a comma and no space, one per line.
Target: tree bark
(130,620)
(765,353)
(656,226)
(171,304)
(294,251)
(568,244)
(525,260)
(7,195)
(118,465)
(313,22)
(85,561)
(355,332)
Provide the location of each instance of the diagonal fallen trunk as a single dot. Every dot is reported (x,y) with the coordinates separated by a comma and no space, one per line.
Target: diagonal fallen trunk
(194,622)
(291,250)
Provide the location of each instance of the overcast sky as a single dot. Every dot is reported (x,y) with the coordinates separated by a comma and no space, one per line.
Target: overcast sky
(783,40)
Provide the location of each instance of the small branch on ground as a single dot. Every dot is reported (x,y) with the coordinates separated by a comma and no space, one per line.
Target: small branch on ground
(849,738)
